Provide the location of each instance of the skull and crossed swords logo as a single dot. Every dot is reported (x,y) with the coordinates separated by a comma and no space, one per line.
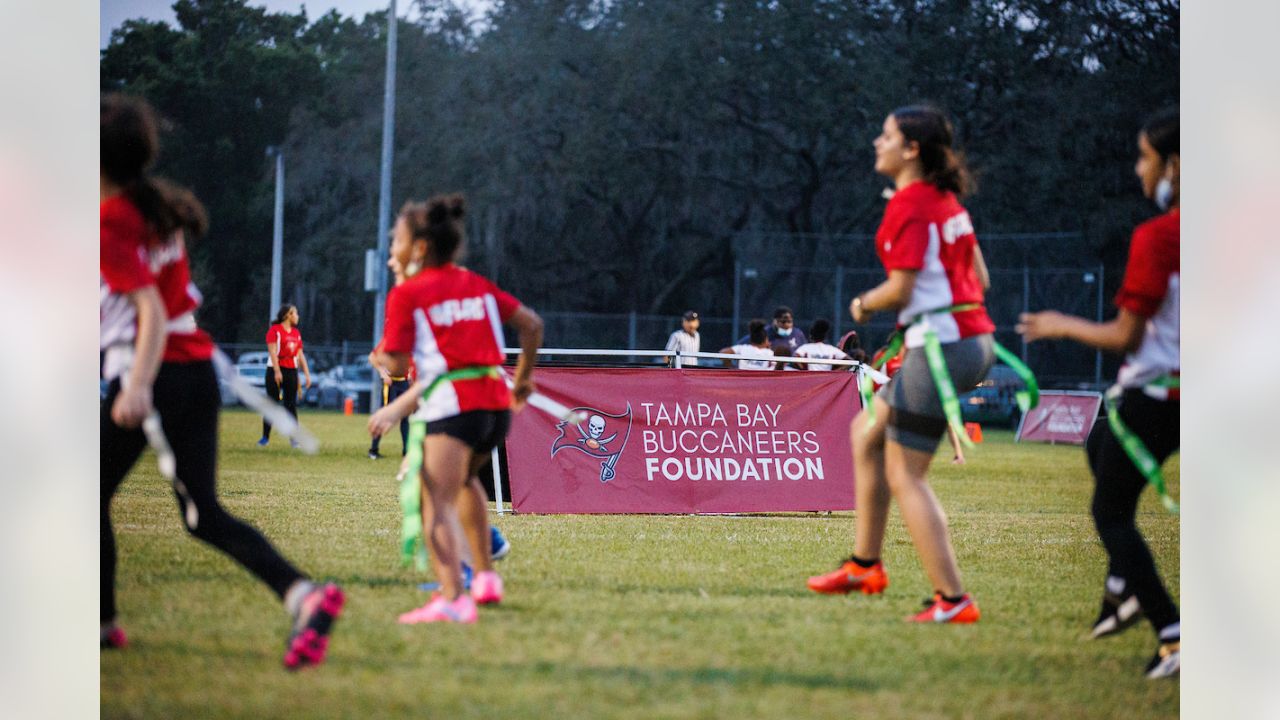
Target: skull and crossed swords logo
(591,438)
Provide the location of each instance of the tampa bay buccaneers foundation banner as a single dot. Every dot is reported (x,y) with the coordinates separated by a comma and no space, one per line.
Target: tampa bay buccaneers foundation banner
(686,441)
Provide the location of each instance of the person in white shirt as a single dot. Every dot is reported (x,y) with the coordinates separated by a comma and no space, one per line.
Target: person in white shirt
(686,339)
(756,352)
(818,348)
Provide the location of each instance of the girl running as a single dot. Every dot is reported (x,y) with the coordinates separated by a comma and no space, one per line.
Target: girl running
(284,352)
(1144,402)
(450,320)
(926,243)
(158,362)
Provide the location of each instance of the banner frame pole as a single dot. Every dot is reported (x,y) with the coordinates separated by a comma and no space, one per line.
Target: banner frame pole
(497,481)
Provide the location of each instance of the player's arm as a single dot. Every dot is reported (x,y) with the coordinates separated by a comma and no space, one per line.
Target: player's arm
(892,294)
(302,360)
(376,364)
(1120,335)
(391,414)
(726,361)
(980,268)
(134,401)
(273,354)
(529,328)
(394,364)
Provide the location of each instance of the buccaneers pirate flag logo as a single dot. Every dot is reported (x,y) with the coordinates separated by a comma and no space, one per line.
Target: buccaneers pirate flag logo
(602,436)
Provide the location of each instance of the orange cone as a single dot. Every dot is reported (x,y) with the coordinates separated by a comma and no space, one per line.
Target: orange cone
(348,406)
(974,431)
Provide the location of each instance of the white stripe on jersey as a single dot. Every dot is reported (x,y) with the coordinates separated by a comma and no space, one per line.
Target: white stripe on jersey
(495,320)
(431,364)
(932,290)
(1159,352)
(117,319)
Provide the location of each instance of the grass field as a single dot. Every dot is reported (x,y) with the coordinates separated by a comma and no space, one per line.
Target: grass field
(629,616)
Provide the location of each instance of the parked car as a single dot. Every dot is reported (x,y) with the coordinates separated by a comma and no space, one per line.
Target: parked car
(254,372)
(331,388)
(262,357)
(354,381)
(993,401)
(324,391)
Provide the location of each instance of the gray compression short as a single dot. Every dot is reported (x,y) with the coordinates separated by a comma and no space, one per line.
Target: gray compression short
(916,419)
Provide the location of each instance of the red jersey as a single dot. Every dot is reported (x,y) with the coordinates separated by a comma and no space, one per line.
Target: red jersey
(926,230)
(451,318)
(1151,290)
(288,343)
(130,258)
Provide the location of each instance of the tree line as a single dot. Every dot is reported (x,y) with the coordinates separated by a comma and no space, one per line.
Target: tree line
(611,152)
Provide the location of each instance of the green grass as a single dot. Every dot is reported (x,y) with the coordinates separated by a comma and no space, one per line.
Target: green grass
(631,616)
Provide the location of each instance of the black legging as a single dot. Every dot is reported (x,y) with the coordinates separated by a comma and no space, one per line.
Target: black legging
(290,387)
(186,396)
(390,393)
(1115,499)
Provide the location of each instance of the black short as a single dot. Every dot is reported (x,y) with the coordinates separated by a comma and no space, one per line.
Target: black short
(481,430)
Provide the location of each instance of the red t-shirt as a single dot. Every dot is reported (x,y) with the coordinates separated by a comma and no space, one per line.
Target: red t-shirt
(1152,290)
(927,230)
(288,344)
(451,318)
(129,260)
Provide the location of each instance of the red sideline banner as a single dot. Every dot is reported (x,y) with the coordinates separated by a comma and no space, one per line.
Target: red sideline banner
(686,441)
(1061,417)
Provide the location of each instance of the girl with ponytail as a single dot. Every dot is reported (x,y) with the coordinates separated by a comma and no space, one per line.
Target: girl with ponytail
(930,254)
(450,320)
(158,365)
(1141,430)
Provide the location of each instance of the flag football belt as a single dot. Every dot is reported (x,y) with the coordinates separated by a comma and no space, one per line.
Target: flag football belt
(1133,445)
(386,389)
(1027,398)
(412,547)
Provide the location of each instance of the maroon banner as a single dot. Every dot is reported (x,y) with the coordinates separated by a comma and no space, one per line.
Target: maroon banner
(686,441)
(1061,417)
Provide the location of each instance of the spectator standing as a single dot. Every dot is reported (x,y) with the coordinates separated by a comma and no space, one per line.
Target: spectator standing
(781,330)
(755,351)
(817,347)
(686,339)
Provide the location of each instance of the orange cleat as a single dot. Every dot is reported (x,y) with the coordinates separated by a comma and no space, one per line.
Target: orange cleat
(851,576)
(938,610)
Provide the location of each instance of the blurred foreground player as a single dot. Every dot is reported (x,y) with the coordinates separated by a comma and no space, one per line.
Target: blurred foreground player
(158,362)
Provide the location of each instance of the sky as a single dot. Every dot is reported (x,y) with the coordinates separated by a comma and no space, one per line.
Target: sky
(115,12)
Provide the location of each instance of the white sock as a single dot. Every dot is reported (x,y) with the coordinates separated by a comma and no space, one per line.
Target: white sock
(1115,584)
(294,595)
(1169,633)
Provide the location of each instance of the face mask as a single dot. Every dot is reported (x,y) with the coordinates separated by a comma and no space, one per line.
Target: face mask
(1164,193)
(784,332)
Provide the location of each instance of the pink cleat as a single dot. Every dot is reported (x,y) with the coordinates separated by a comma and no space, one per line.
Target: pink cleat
(309,640)
(113,638)
(486,588)
(438,609)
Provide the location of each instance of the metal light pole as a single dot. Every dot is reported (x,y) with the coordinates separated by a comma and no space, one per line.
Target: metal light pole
(277,239)
(384,194)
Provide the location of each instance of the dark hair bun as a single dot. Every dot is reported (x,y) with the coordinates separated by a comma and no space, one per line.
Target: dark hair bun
(439,222)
